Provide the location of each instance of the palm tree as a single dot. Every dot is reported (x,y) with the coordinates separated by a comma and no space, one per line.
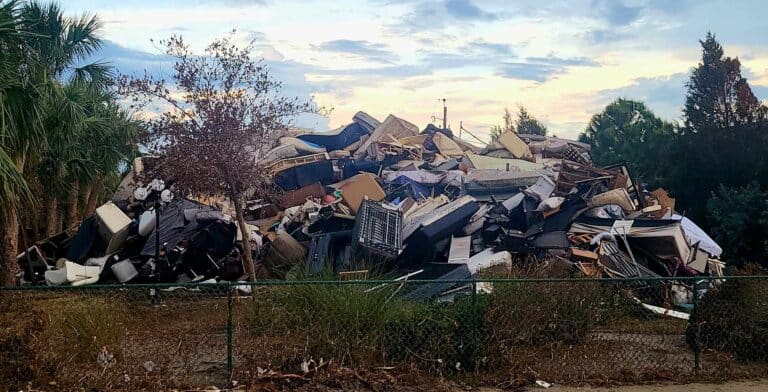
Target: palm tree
(114,147)
(61,43)
(64,121)
(20,131)
(45,111)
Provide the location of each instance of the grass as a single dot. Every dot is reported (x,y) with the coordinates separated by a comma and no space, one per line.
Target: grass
(732,318)
(350,325)
(562,332)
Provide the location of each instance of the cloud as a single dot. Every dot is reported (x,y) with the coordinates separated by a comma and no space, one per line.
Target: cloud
(615,12)
(563,61)
(539,69)
(525,71)
(492,48)
(370,50)
(435,16)
(665,95)
(469,54)
(130,61)
(465,9)
(395,71)
(291,74)
(256,36)
(604,36)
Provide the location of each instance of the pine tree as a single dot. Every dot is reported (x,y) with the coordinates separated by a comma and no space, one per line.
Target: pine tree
(498,130)
(723,137)
(527,124)
(718,96)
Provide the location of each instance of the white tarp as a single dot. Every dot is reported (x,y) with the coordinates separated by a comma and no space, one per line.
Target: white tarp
(695,234)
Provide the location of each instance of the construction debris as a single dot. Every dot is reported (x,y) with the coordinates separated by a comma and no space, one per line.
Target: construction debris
(373,198)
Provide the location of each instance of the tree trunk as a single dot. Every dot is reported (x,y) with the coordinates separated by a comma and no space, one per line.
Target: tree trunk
(10,247)
(86,194)
(59,219)
(72,214)
(247,259)
(51,217)
(35,224)
(9,228)
(93,197)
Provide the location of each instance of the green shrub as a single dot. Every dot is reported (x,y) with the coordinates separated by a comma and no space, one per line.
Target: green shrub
(348,324)
(733,318)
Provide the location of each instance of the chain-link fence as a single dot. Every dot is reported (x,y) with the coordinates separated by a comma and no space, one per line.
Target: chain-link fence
(492,332)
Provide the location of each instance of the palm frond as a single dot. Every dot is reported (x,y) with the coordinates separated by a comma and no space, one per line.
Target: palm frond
(82,36)
(98,74)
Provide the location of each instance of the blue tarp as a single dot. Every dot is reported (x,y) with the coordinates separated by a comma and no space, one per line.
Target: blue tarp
(336,139)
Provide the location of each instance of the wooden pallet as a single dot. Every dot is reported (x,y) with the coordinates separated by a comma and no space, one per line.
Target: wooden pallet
(288,163)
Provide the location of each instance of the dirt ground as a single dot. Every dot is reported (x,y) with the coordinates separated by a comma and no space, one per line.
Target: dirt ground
(740,386)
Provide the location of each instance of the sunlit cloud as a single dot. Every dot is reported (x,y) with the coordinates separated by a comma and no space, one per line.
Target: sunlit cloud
(564,61)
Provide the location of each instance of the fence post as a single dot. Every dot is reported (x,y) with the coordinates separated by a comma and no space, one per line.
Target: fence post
(474,323)
(695,323)
(229,331)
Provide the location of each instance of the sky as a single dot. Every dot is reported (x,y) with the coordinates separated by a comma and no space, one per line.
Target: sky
(562,60)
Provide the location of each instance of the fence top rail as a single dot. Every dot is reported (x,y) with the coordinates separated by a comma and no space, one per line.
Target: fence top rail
(269,283)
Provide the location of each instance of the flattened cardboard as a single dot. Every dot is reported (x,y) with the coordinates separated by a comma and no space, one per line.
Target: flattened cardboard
(357,188)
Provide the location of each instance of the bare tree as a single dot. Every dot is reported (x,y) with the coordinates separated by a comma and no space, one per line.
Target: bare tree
(226,112)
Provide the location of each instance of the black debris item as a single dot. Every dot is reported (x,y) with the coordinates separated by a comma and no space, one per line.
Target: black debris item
(447,219)
(300,176)
(524,215)
(173,225)
(328,221)
(573,206)
(551,240)
(344,259)
(146,272)
(83,241)
(439,272)
(327,248)
(377,230)
(350,168)
(319,252)
(208,248)
(515,241)
(416,253)
(217,238)
(491,233)
(231,267)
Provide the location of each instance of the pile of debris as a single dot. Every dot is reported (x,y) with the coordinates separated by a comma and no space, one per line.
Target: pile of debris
(385,199)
